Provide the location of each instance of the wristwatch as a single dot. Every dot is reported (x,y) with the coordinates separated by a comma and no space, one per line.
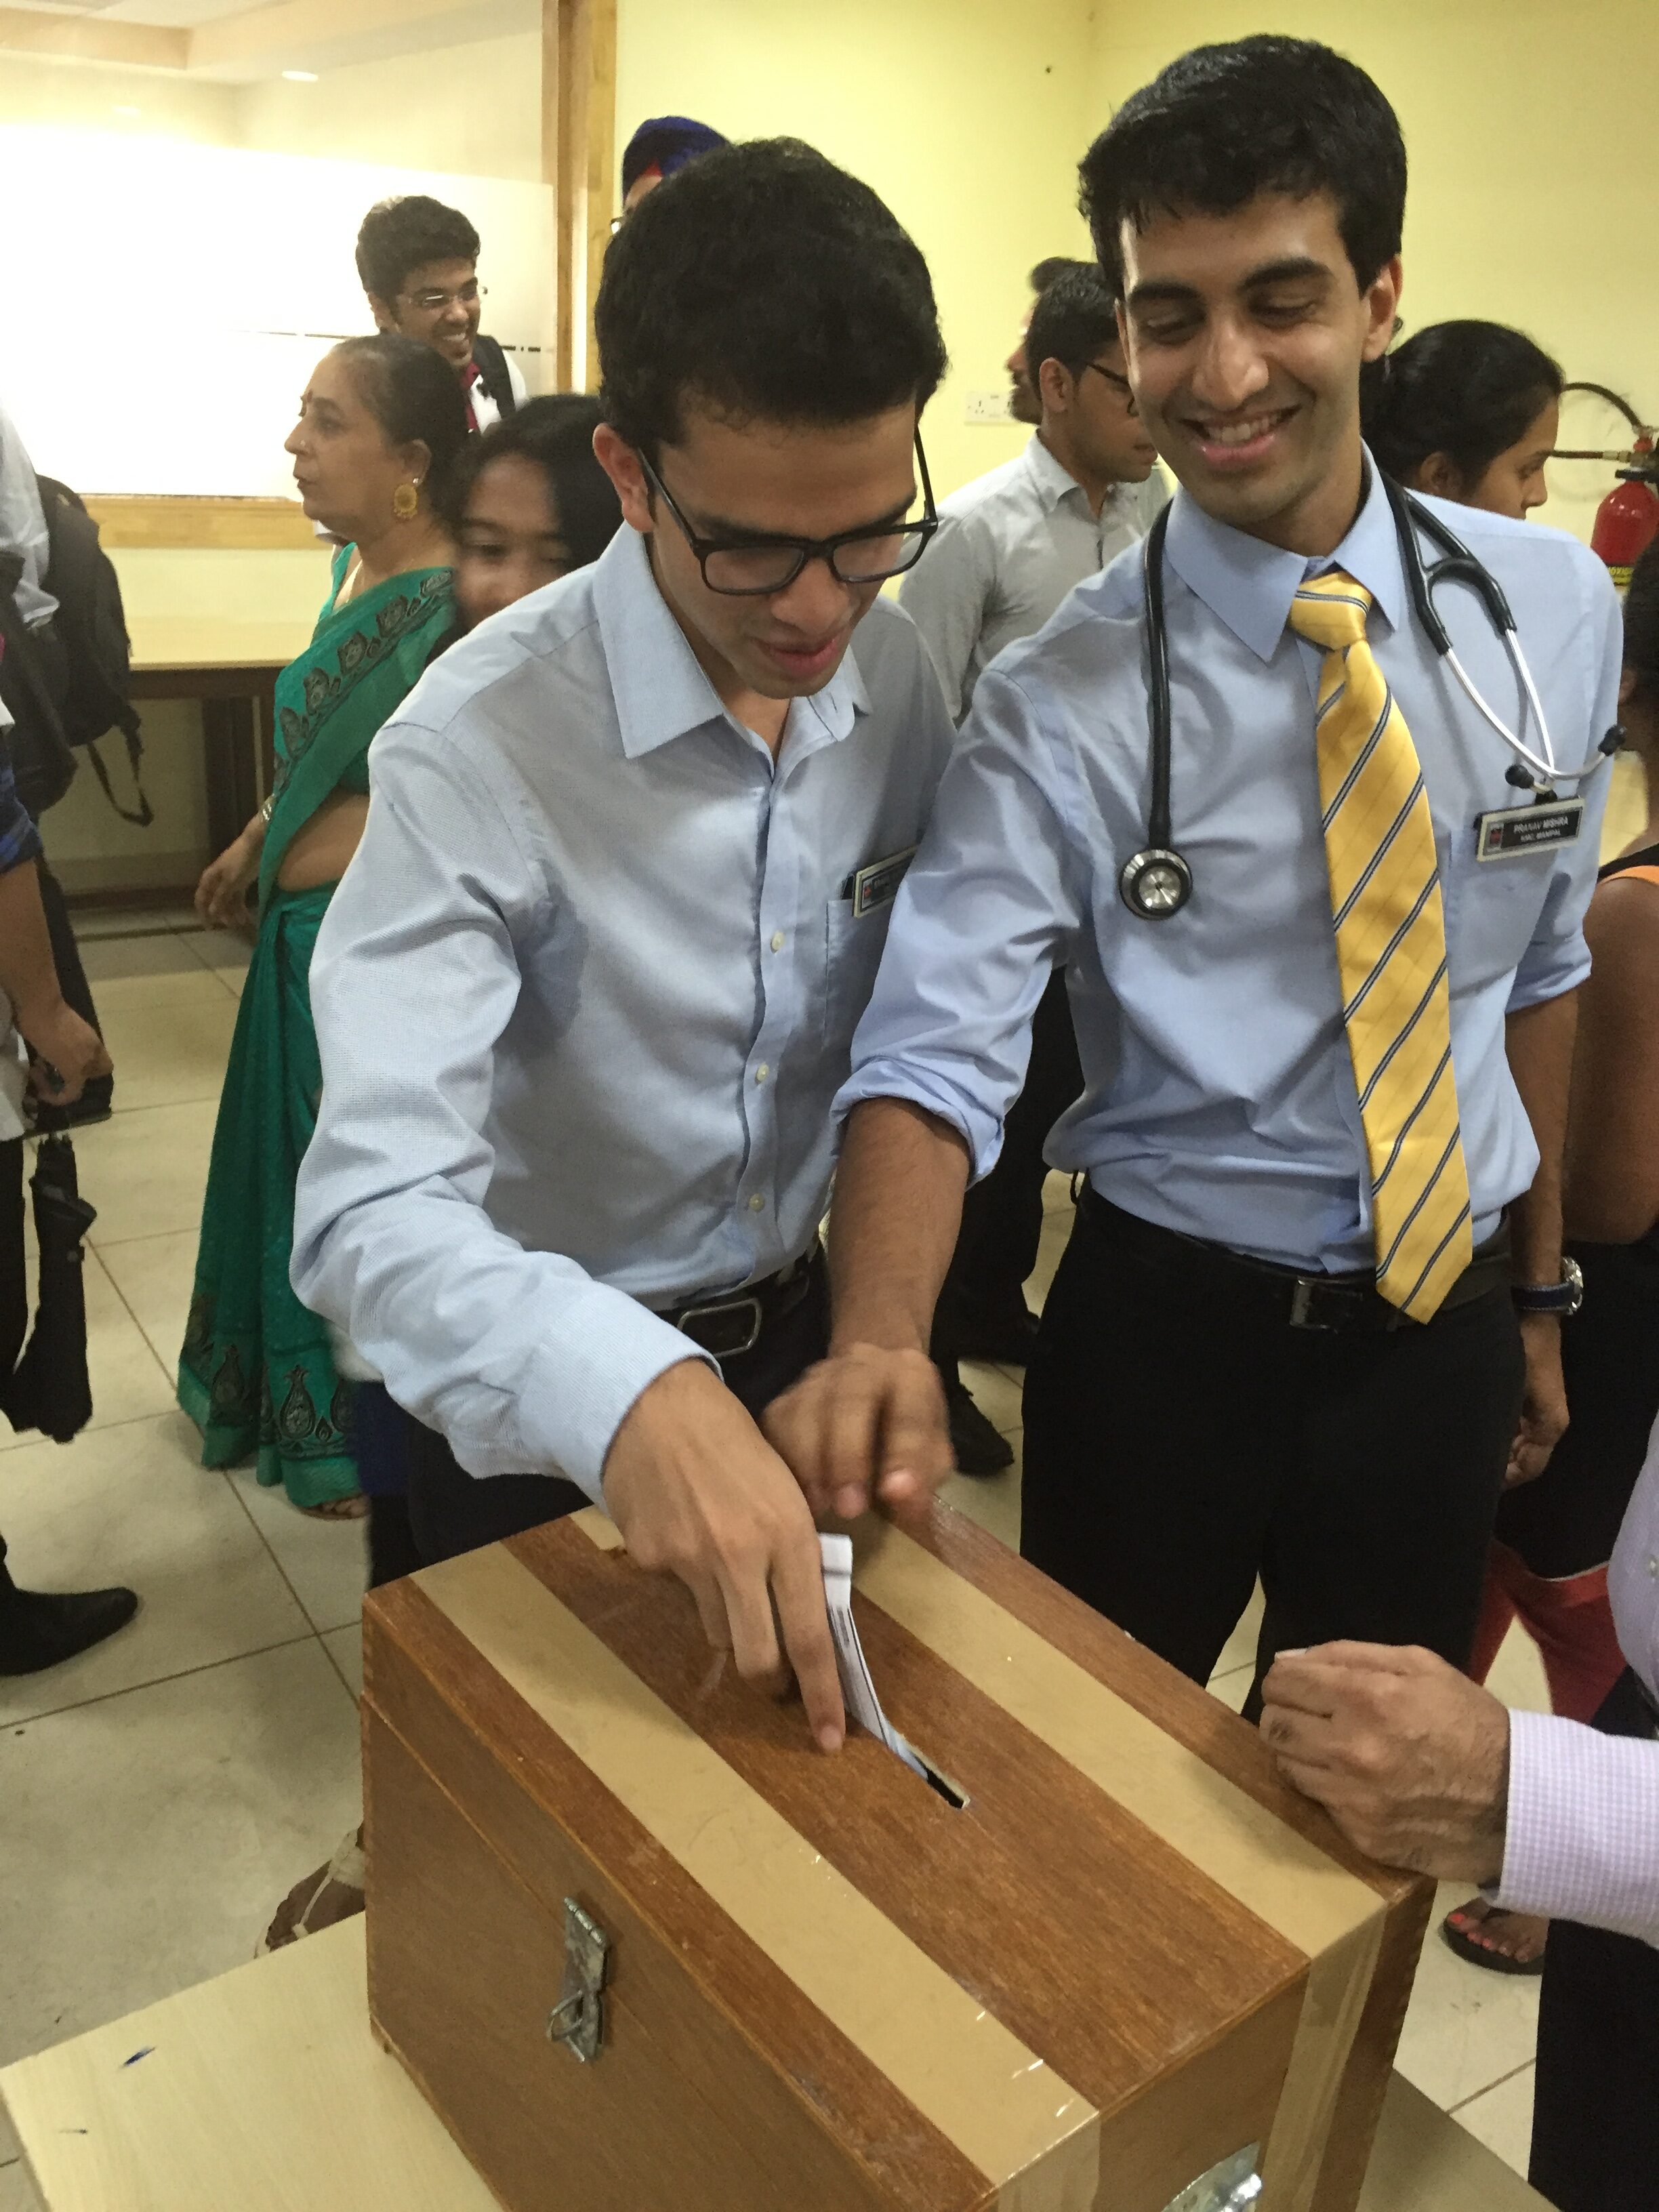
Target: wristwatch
(1562,1298)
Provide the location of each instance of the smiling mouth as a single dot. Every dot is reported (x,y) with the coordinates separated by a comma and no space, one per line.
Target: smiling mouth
(1231,444)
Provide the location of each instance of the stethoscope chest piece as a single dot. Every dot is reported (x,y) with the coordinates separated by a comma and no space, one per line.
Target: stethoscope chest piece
(1155,884)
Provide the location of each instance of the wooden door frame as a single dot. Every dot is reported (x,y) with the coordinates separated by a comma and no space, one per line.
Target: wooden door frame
(578,159)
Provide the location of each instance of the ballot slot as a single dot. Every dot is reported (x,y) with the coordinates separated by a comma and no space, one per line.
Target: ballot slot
(857,1686)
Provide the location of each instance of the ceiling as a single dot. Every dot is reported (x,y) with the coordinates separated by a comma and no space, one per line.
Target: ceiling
(230,42)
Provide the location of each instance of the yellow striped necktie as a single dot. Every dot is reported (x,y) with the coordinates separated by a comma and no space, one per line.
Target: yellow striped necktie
(1391,952)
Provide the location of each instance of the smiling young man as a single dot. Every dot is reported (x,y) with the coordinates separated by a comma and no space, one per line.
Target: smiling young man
(418,263)
(1321,1122)
(586,995)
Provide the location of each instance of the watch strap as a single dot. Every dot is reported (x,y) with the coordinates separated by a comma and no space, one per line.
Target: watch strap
(1563,1297)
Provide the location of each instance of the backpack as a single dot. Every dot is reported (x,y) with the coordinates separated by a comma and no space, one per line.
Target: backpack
(493,374)
(91,627)
(33,743)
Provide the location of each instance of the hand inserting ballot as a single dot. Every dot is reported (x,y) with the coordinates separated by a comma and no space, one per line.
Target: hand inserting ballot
(697,1492)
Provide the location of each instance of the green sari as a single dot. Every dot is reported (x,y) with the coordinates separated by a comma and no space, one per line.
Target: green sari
(256,1374)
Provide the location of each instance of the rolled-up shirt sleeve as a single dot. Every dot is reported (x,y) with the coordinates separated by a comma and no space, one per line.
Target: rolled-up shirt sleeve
(1582,1841)
(521,1359)
(987,910)
(1557,958)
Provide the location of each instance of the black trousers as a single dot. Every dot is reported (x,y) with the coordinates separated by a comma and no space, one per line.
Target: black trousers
(452,1512)
(1596,2105)
(1002,1217)
(14,1288)
(1181,1439)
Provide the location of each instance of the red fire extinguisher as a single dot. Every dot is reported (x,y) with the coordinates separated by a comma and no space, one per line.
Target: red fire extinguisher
(1627,520)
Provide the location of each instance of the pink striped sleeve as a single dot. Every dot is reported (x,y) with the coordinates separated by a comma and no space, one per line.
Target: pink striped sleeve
(1582,1839)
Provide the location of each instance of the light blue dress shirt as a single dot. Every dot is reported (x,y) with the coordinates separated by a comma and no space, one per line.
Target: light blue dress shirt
(1219,1097)
(584,998)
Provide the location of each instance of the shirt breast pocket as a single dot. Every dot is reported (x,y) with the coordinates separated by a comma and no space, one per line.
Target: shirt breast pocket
(853,948)
(1494,909)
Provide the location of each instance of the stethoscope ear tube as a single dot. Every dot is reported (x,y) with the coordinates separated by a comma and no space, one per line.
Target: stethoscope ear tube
(1157,881)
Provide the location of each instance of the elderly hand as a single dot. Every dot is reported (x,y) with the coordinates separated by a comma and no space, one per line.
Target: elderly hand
(1410,1758)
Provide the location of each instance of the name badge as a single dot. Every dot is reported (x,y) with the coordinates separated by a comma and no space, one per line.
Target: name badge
(1512,829)
(876,885)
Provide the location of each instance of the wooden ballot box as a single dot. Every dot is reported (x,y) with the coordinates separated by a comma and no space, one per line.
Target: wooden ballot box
(645,1949)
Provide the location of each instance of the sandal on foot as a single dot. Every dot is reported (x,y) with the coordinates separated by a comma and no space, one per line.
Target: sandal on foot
(334,1892)
(1490,1955)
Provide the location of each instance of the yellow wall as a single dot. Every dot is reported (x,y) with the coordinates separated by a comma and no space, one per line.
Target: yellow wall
(1534,168)
(965,115)
(473,110)
(84,95)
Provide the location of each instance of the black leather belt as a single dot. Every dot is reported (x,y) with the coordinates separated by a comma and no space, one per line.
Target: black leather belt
(1346,1304)
(728,1323)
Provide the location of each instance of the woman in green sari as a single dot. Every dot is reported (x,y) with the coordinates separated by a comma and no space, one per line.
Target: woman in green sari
(382,418)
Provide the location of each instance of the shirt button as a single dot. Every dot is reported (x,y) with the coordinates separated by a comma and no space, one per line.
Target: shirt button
(762,1072)
(777,940)
(1653,1569)
(755,1203)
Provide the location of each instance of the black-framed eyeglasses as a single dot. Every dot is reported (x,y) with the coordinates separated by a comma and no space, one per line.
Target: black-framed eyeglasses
(1120,385)
(751,568)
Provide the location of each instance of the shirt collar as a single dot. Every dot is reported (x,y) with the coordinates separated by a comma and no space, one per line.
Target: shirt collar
(1249,584)
(1050,480)
(661,689)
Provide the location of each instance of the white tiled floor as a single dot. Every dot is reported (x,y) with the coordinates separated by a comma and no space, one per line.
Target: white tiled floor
(162,1792)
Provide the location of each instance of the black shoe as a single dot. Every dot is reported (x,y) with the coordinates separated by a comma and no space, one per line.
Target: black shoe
(980,1449)
(39,1631)
(1007,1336)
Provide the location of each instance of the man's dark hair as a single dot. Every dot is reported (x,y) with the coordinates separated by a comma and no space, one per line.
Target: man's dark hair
(1642,623)
(401,235)
(413,393)
(1072,320)
(1469,390)
(1057,265)
(765,284)
(1263,114)
(556,434)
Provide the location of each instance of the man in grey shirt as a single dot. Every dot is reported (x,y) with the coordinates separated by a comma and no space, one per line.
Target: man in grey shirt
(1011,546)
(1013,543)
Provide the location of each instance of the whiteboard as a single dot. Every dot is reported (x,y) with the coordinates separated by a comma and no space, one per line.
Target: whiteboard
(181,294)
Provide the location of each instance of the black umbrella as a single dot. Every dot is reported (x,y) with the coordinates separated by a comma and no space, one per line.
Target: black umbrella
(51,1390)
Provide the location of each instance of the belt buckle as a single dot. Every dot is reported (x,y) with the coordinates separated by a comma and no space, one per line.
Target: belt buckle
(719,1308)
(1303,1312)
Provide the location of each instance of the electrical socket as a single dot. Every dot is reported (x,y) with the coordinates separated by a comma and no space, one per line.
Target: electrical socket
(986,407)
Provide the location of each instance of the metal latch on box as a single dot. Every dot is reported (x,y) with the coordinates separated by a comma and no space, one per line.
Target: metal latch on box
(578,2018)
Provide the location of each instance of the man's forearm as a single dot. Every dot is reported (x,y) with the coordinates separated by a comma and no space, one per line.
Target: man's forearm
(28,973)
(893,1226)
(1539,1042)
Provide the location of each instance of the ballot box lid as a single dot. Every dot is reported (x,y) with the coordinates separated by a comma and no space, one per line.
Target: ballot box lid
(1114,1947)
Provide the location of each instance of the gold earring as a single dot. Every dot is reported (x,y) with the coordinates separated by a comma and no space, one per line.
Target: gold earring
(406,500)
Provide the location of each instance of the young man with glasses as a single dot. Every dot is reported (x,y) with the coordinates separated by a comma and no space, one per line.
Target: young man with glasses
(1011,546)
(586,994)
(418,260)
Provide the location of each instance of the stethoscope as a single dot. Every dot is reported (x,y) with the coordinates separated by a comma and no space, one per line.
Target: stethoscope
(1158,881)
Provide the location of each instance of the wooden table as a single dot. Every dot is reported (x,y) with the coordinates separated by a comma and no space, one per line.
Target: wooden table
(232,667)
(264,2092)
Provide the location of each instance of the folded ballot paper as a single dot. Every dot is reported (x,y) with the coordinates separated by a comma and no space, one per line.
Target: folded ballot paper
(856,1685)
